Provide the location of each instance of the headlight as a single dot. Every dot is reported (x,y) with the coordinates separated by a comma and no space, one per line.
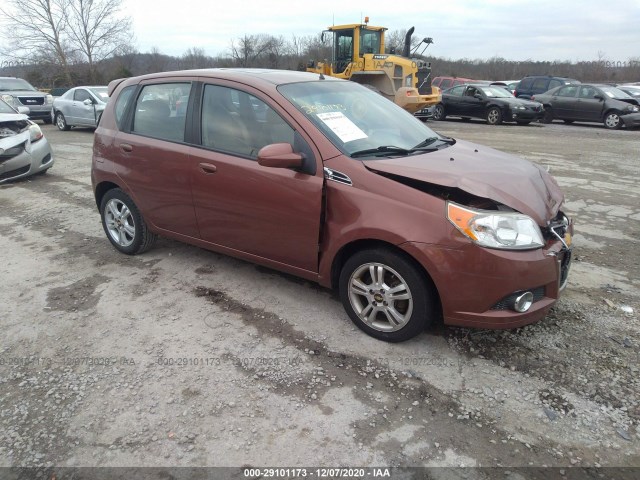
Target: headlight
(632,108)
(494,229)
(49,99)
(517,107)
(10,100)
(35,133)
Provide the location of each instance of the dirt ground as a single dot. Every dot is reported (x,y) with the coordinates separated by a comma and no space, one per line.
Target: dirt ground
(185,357)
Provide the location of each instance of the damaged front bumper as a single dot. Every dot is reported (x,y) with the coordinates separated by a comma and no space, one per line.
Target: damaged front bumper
(483,288)
(19,157)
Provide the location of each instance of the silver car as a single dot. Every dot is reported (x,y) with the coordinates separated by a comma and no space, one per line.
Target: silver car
(79,107)
(23,149)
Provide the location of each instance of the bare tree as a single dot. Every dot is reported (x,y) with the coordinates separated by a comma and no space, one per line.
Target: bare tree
(97,30)
(195,58)
(35,31)
(249,49)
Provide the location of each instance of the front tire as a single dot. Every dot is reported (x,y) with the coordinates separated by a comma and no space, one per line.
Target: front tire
(386,295)
(438,112)
(61,122)
(494,116)
(548,115)
(123,223)
(612,120)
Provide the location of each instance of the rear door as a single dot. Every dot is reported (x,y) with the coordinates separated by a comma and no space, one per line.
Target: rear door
(153,158)
(270,215)
(564,102)
(452,99)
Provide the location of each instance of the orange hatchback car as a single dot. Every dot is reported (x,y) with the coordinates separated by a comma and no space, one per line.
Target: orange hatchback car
(327,180)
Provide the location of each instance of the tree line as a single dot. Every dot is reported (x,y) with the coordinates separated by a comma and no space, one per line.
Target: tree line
(62,43)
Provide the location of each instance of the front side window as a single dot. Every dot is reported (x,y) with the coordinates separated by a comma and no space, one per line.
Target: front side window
(445,83)
(343,53)
(354,118)
(554,83)
(80,95)
(587,92)
(156,116)
(238,123)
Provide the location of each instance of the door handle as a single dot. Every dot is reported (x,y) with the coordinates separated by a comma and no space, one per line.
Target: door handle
(126,147)
(208,168)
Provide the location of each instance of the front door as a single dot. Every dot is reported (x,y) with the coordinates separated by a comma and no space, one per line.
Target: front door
(270,213)
(589,108)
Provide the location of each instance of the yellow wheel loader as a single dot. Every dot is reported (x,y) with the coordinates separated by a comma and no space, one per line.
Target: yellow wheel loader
(358,55)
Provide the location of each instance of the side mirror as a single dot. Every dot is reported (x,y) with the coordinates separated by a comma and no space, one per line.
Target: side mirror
(23,110)
(88,102)
(279,155)
(477,95)
(598,96)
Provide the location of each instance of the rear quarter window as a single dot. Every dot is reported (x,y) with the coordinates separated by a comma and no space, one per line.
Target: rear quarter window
(121,104)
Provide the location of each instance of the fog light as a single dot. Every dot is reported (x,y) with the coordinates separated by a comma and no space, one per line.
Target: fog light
(523,302)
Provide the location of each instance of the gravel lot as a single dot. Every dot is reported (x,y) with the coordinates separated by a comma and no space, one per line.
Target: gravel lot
(185,357)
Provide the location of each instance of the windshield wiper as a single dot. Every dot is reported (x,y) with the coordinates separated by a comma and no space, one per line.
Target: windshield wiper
(381,150)
(427,141)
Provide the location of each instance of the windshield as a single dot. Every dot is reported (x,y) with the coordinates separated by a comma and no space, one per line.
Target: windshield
(4,108)
(355,118)
(8,84)
(496,92)
(100,92)
(612,92)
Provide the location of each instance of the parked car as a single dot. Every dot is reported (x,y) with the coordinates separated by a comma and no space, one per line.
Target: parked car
(23,149)
(79,107)
(591,103)
(339,186)
(444,83)
(493,103)
(536,84)
(20,93)
(633,90)
(510,85)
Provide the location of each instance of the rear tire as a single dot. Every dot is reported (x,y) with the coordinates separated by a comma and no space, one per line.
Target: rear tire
(439,113)
(386,295)
(123,223)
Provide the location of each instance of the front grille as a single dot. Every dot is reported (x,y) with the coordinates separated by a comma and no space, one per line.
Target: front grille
(506,302)
(11,152)
(31,100)
(15,173)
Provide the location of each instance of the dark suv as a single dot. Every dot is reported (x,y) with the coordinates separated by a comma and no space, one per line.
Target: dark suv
(20,93)
(536,84)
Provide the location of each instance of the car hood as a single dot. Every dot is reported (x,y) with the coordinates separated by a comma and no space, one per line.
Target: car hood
(483,172)
(22,93)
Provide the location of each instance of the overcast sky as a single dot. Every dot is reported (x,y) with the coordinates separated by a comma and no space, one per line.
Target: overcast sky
(517,30)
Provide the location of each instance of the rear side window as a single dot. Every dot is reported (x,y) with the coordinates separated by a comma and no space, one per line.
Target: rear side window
(122,102)
(446,83)
(568,91)
(236,122)
(540,85)
(525,84)
(555,83)
(156,114)
(457,91)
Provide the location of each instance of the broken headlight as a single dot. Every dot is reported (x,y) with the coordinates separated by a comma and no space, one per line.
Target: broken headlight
(496,229)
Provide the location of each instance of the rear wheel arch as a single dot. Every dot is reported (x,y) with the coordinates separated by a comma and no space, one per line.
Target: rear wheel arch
(101,189)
